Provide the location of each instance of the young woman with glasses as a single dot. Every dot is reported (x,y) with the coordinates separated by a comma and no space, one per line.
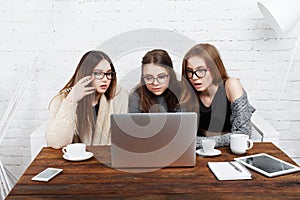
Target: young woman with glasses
(158,90)
(81,111)
(224,107)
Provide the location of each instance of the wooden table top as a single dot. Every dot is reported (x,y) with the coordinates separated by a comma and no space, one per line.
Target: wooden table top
(93,179)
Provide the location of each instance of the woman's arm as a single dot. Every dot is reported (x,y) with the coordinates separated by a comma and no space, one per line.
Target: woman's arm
(221,140)
(61,124)
(62,120)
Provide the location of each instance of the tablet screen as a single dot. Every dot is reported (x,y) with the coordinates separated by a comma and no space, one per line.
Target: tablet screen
(267,163)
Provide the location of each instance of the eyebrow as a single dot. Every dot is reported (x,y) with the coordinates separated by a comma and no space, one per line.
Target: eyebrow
(196,68)
(100,70)
(163,73)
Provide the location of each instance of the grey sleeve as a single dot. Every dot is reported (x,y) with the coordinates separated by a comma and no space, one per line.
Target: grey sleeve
(134,103)
(221,140)
(240,121)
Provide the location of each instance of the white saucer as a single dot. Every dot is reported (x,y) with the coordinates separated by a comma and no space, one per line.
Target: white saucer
(88,155)
(214,152)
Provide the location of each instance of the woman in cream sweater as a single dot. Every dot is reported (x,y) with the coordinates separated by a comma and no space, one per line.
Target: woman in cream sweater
(81,111)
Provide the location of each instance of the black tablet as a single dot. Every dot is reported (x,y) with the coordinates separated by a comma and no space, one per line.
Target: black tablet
(267,164)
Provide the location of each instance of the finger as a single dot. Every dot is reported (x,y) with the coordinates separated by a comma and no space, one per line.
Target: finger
(90,92)
(86,80)
(83,79)
(89,88)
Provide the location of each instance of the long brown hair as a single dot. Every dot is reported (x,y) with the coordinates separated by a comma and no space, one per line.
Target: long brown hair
(147,99)
(85,114)
(212,59)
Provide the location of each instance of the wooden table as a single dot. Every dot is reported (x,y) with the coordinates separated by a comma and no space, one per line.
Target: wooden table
(92,179)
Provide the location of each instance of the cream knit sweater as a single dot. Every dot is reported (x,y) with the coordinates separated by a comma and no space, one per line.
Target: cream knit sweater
(61,124)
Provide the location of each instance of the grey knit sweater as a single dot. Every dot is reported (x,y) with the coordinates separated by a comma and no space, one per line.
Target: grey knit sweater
(240,121)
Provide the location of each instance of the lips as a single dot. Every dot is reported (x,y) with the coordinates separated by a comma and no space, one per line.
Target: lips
(197,85)
(156,89)
(103,87)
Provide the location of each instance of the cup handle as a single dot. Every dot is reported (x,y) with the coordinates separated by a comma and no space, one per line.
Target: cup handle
(64,150)
(250,144)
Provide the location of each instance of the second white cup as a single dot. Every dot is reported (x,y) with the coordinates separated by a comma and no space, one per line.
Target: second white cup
(75,150)
(208,145)
(240,143)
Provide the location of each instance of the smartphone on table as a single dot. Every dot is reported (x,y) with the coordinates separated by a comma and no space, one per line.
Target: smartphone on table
(47,174)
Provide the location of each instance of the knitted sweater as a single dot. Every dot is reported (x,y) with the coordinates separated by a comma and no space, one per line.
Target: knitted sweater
(240,121)
(61,124)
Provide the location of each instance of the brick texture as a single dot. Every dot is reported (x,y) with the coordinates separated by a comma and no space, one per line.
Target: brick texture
(51,36)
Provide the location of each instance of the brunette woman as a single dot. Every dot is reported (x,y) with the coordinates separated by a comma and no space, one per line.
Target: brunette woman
(81,110)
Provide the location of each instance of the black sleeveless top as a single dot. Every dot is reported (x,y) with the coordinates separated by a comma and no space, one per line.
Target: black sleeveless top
(215,118)
(96,109)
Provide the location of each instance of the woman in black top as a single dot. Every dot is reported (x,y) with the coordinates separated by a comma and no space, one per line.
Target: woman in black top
(224,107)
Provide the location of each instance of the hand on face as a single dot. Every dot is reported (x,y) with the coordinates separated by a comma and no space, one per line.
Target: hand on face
(81,89)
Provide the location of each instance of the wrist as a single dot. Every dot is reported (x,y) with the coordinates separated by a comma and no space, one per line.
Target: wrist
(70,98)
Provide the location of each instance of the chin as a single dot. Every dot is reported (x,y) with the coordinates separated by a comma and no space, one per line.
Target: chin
(157,93)
(100,91)
(200,90)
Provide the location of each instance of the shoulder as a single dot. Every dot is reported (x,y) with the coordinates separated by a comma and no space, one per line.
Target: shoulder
(56,100)
(234,89)
(121,92)
(135,93)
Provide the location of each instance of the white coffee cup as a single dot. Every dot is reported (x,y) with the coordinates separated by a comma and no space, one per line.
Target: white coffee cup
(240,143)
(208,145)
(75,150)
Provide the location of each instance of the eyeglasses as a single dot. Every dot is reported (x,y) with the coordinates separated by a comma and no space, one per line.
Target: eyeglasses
(200,73)
(160,79)
(100,75)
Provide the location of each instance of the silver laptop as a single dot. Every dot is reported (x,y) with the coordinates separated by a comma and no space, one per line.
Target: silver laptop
(147,140)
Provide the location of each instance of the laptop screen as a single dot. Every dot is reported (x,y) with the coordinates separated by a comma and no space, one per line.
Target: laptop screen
(153,140)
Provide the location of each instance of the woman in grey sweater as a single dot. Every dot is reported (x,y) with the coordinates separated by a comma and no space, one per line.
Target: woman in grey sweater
(224,107)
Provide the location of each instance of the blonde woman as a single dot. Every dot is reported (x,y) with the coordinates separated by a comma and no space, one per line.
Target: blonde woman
(224,107)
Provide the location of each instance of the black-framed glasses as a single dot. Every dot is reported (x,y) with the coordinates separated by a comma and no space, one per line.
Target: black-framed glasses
(200,73)
(162,78)
(100,75)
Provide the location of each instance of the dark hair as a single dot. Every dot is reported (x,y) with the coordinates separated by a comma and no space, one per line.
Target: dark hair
(84,112)
(147,99)
(212,59)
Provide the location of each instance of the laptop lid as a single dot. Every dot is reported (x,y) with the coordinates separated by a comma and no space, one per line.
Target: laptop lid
(153,140)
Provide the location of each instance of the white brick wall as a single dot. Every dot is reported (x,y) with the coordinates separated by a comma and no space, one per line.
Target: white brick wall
(52,36)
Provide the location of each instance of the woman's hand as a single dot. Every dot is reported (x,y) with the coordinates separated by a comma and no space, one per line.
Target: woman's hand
(80,89)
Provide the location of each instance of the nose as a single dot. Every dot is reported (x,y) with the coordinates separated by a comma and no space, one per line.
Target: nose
(195,77)
(105,78)
(155,82)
